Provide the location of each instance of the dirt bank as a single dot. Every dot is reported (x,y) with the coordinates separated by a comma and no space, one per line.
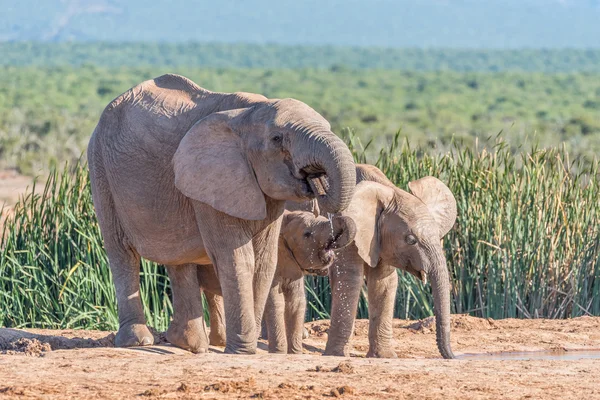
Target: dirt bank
(12,185)
(83,364)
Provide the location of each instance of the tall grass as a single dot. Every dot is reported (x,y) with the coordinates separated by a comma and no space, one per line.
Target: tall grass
(526,244)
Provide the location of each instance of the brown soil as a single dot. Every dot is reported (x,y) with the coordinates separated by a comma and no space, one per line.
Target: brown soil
(83,364)
(12,185)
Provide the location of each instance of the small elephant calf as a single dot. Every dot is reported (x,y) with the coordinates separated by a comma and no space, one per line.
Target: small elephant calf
(395,229)
(306,246)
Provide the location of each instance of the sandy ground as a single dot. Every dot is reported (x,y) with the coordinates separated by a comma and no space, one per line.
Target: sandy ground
(64,364)
(12,185)
(84,364)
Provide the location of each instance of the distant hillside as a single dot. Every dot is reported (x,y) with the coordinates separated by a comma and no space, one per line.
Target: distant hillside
(384,23)
(280,56)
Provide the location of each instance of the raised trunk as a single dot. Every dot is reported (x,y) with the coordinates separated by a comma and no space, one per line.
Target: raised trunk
(441,302)
(344,231)
(327,154)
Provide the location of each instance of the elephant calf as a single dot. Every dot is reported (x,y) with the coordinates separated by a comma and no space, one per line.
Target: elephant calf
(394,229)
(306,246)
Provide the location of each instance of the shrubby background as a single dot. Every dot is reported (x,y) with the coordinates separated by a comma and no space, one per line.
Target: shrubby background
(514,133)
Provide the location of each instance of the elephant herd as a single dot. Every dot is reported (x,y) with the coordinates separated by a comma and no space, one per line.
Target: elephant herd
(240,196)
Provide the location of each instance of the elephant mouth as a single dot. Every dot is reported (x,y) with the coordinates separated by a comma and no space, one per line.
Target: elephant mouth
(419,274)
(317,272)
(314,180)
(326,257)
(318,184)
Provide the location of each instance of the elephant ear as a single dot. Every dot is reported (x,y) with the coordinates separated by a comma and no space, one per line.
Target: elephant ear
(365,209)
(438,199)
(211,167)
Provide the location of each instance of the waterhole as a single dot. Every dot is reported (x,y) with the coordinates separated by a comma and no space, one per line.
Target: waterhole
(575,354)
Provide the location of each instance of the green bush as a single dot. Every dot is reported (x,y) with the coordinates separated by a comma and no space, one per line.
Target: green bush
(526,243)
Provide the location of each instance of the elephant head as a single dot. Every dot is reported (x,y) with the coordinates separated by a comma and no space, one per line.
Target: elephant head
(307,242)
(404,230)
(281,149)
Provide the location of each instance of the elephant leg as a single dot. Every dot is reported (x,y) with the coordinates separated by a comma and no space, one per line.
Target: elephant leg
(264,333)
(216,310)
(382,284)
(187,330)
(125,269)
(346,278)
(235,268)
(274,312)
(207,277)
(295,311)
(265,247)
(233,245)
(124,264)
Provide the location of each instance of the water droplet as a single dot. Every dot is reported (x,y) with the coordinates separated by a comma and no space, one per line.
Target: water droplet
(330,217)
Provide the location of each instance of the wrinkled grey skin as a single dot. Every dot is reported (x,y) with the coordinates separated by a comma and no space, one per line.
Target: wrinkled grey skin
(395,229)
(184,176)
(350,268)
(306,246)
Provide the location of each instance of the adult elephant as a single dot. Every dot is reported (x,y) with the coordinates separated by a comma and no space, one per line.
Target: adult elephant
(184,176)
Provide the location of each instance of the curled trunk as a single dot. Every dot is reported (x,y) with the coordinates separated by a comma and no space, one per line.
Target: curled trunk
(327,156)
(344,231)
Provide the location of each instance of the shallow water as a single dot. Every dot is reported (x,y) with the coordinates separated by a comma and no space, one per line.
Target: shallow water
(535,355)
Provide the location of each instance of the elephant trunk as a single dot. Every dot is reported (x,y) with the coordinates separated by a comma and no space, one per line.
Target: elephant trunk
(330,170)
(441,298)
(344,231)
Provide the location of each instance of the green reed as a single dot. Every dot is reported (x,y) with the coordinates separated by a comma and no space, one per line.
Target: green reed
(526,243)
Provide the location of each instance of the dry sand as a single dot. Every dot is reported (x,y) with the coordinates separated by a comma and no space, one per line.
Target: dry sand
(12,185)
(83,364)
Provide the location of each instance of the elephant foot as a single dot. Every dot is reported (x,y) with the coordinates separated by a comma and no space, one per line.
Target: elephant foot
(190,336)
(278,350)
(338,352)
(134,335)
(382,353)
(216,337)
(239,349)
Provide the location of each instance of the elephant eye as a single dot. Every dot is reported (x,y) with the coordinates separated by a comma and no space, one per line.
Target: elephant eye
(411,239)
(277,139)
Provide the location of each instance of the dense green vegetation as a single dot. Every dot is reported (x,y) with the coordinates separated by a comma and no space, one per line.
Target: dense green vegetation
(230,55)
(48,114)
(527,241)
(526,244)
